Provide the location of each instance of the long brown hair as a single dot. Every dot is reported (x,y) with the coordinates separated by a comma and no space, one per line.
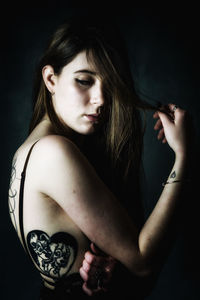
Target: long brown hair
(122,133)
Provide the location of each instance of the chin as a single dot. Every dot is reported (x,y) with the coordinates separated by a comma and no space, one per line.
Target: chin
(88,131)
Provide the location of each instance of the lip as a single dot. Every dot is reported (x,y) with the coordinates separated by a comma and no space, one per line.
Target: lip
(93,117)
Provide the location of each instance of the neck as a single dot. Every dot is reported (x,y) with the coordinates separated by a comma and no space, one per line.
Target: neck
(77,138)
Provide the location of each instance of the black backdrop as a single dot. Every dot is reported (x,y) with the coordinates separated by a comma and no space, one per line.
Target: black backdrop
(164,54)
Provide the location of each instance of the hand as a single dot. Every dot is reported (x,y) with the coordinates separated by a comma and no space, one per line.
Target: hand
(96,270)
(173,127)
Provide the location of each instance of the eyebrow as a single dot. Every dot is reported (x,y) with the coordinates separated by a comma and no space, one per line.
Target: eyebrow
(86,71)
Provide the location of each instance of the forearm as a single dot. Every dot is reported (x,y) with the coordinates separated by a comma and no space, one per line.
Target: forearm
(142,252)
(154,231)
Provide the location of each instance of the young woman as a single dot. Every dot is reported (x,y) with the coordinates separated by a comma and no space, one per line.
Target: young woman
(71,175)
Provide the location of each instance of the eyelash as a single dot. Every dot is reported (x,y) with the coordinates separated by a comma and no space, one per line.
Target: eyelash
(84,82)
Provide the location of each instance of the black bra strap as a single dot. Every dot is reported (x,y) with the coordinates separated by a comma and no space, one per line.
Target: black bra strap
(21,195)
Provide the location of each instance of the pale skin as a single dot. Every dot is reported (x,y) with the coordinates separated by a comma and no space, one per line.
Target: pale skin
(65,184)
(172,131)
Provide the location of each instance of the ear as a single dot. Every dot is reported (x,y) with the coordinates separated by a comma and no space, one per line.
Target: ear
(49,78)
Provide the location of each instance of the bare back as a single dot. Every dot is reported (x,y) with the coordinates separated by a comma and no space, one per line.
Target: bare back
(54,242)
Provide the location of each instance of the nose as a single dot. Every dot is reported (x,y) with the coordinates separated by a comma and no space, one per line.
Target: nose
(96,96)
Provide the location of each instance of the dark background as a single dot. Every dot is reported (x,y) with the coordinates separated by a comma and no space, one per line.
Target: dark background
(163,43)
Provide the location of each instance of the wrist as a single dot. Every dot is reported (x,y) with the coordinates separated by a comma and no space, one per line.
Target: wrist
(180,170)
(179,173)
(181,156)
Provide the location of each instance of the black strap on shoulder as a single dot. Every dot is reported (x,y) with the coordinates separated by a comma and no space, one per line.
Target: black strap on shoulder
(21,195)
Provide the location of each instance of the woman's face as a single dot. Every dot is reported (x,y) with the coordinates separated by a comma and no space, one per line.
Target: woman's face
(76,94)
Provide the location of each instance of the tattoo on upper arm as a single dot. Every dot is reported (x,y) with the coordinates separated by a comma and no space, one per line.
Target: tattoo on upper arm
(173,175)
(53,255)
(12,193)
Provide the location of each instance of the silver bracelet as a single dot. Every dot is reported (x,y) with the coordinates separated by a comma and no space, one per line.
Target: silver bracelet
(174,181)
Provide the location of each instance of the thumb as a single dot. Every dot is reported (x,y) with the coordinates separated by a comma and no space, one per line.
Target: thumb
(96,249)
(165,119)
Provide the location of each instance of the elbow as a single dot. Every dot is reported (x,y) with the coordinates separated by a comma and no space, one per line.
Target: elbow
(144,272)
(147,259)
(146,278)
(143,268)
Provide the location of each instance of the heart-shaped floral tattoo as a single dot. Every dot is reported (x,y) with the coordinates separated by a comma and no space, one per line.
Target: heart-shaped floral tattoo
(54,255)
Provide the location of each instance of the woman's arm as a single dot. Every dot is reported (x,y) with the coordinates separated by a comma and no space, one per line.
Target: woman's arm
(152,238)
(93,261)
(68,178)
(174,131)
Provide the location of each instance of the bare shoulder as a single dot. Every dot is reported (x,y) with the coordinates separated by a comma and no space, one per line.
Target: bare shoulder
(55,152)
(52,143)
(54,149)
(57,162)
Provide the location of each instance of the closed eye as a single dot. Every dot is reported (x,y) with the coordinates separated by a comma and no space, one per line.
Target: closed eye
(84,82)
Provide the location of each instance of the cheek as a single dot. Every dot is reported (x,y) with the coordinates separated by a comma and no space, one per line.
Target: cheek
(76,97)
(71,99)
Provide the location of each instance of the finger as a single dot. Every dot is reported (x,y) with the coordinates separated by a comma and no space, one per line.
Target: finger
(173,107)
(175,110)
(83,274)
(89,257)
(158,124)
(92,291)
(165,119)
(95,260)
(179,115)
(167,111)
(155,115)
(160,134)
(93,272)
(164,141)
(86,289)
(86,266)
(91,280)
(96,249)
